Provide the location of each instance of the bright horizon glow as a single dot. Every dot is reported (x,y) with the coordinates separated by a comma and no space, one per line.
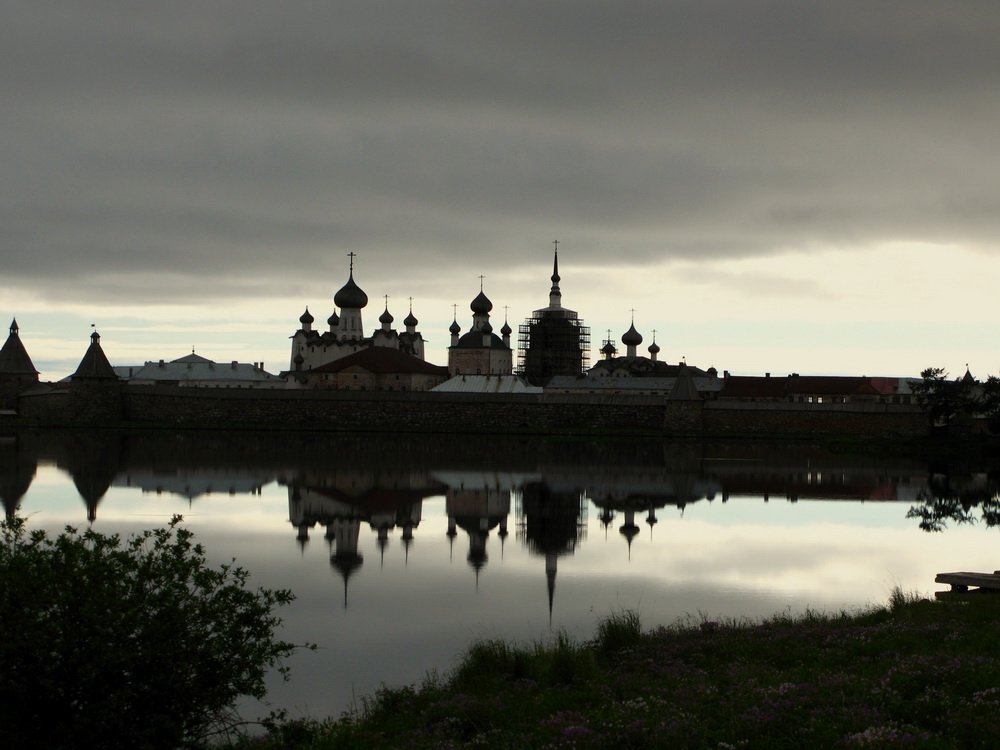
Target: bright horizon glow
(833,312)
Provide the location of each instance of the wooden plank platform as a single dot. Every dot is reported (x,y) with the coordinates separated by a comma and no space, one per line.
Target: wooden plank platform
(962,581)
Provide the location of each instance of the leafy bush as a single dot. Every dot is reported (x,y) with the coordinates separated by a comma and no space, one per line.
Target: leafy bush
(126,643)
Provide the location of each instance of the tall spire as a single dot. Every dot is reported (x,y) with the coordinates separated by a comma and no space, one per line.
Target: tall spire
(555,295)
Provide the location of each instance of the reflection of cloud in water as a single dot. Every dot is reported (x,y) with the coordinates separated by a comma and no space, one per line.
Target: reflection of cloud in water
(418,595)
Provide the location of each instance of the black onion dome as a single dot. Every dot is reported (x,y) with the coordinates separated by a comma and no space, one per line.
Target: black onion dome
(506,330)
(455,327)
(385,317)
(632,337)
(350,295)
(481,304)
(334,319)
(608,348)
(654,349)
(410,320)
(306,317)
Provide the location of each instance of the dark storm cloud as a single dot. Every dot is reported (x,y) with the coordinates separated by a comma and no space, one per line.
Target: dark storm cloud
(250,140)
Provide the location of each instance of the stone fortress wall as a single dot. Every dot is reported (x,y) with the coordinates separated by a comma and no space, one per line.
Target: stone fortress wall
(170,406)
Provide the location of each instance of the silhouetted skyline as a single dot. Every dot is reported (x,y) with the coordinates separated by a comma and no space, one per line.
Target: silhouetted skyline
(771,186)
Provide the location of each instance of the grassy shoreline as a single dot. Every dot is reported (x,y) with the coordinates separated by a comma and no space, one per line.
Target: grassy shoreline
(910,673)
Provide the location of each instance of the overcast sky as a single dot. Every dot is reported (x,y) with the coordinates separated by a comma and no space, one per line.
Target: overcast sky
(772,185)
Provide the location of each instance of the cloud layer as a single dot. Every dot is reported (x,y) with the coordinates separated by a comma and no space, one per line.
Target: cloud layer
(231,145)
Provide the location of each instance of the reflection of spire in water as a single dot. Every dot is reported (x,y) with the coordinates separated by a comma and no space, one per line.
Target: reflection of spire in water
(94,464)
(552,523)
(503,534)
(606,517)
(17,470)
(451,533)
(303,537)
(477,502)
(629,529)
(551,566)
(346,559)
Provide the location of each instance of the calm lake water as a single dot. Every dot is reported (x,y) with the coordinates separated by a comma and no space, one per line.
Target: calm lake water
(402,550)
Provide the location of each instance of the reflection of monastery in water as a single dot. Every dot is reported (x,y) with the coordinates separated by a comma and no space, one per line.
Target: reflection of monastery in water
(358,494)
(343,501)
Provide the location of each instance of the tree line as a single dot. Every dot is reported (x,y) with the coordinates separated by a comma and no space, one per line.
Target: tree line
(945,399)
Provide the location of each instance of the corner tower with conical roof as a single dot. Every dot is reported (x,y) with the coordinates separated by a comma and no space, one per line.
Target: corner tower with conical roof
(94,389)
(553,341)
(17,373)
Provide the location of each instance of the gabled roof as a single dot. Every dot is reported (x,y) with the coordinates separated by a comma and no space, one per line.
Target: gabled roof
(14,359)
(95,362)
(194,367)
(487,384)
(192,357)
(382,360)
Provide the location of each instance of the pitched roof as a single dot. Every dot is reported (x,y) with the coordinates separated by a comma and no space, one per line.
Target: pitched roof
(195,367)
(487,384)
(684,388)
(192,357)
(95,362)
(14,359)
(383,360)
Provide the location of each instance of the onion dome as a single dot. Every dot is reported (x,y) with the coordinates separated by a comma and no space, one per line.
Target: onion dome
(487,327)
(455,327)
(481,304)
(632,337)
(306,317)
(654,349)
(608,349)
(506,330)
(410,320)
(386,317)
(334,319)
(350,296)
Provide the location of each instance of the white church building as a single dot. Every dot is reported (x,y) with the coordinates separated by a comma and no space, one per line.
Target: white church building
(345,335)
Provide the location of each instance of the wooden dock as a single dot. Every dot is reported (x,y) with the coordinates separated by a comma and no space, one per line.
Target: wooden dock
(961,583)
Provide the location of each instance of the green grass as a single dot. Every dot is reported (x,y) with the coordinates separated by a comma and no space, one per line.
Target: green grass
(911,673)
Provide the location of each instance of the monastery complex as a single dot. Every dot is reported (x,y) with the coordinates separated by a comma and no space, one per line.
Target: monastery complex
(379,378)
